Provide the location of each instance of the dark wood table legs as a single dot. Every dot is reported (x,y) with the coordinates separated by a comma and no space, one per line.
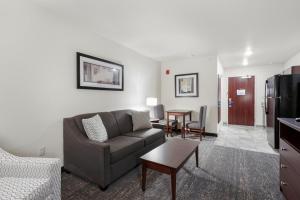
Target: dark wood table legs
(144,176)
(168,125)
(183,127)
(169,158)
(197,158)
(166,170)
(178,113)
(173,184)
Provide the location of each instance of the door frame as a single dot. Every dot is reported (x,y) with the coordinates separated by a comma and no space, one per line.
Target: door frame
(219,98)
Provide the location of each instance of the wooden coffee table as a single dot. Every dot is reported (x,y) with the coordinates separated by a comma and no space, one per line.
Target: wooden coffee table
(168,158)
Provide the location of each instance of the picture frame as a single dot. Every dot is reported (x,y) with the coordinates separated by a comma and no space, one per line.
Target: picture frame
(99,74)
(187,85)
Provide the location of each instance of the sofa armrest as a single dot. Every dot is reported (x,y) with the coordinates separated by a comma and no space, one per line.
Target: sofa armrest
(87,158)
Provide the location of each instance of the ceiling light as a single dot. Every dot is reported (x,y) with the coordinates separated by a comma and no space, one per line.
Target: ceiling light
(248,52)
(245,62)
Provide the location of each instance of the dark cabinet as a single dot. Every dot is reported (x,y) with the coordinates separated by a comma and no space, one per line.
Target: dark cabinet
(292,70)
(289,158)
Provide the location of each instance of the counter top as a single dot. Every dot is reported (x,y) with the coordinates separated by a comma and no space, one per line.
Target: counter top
(291,122)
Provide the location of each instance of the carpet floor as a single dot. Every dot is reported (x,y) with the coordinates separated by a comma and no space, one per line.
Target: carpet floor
(224,173)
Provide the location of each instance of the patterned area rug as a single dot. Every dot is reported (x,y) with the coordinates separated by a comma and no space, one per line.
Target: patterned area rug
(224,173)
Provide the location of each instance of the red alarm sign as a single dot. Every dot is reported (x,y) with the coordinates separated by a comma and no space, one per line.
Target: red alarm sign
(167,71)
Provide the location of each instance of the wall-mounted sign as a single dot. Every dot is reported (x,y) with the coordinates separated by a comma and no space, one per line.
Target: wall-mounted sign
(241,92)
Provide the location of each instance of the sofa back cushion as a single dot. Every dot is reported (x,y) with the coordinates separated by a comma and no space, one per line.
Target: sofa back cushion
(124,120)
(110,124)
(107,118)
(141,120)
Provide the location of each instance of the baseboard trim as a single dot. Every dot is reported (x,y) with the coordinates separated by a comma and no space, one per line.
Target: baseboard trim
(65,170)
(206,133)
(262,126)
(211,134)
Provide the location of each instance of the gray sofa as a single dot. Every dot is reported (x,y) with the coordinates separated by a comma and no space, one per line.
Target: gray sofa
(102,163)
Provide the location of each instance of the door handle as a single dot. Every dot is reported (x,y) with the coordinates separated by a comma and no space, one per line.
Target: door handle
(282,166)
(283,183)
(266,94)
(230,102)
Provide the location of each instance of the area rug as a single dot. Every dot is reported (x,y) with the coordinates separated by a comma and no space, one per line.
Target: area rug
(224,174)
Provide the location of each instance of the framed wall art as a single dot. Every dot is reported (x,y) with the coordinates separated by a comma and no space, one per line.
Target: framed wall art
(99,74)
(186,85)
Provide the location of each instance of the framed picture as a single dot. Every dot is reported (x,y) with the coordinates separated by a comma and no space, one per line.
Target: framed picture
(186,85)
(99,74)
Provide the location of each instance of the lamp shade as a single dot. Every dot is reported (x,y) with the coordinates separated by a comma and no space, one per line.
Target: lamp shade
(151,101)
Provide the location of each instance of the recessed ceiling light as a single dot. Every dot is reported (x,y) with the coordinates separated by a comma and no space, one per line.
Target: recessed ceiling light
(248,52)
(245,62)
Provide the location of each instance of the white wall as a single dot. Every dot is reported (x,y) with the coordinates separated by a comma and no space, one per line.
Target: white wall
(261,73)
(207,69)
(220,68)
(293,61)
(38,78)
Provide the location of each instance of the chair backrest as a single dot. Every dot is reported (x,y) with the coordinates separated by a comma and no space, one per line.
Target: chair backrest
(202,116)
(159,111)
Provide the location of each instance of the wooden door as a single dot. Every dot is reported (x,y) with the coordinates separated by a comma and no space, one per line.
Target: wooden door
(241,100)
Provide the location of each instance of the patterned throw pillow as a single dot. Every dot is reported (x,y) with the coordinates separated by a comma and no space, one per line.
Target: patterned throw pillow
(141,120)
(94,128)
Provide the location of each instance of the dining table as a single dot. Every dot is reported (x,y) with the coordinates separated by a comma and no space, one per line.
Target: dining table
(178,113)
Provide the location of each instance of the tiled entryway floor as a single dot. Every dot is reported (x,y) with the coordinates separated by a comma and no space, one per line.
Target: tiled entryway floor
(244,137)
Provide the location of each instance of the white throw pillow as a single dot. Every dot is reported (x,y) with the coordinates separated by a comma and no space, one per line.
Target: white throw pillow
(141,120)
(95,129)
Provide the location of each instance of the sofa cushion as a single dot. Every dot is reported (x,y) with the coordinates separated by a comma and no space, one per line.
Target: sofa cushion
(149,135)
(78,120)
(122,146)
(141,120)
(124,120)
(110,124)
(95,129)
(108,120)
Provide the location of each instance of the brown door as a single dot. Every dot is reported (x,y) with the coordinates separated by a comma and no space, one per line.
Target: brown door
(241,100)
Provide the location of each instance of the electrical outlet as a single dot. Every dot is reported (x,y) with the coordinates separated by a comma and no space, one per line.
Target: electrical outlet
(42,151)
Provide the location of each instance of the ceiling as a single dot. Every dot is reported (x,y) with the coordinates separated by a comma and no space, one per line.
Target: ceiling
(173,29)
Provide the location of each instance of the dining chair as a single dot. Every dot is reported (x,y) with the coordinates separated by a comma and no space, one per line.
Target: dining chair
(197,127)
(160,121)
